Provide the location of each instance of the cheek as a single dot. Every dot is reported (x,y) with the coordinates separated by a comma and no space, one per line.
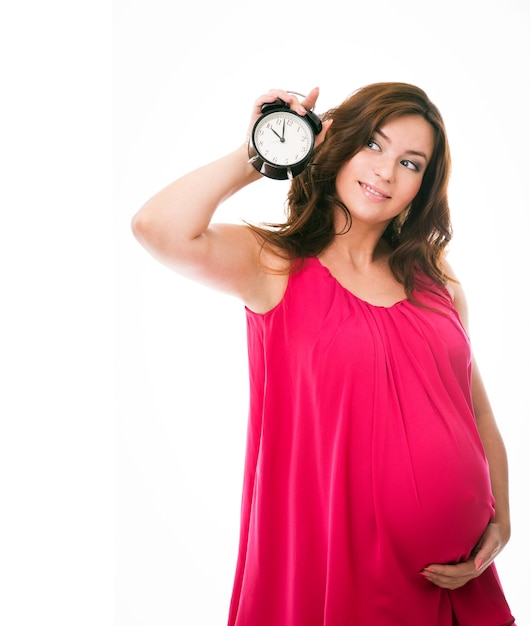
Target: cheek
(350,171)
(411,189)
(343,181)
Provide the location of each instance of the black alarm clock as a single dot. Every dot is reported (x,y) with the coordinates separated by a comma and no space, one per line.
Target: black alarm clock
(282,141)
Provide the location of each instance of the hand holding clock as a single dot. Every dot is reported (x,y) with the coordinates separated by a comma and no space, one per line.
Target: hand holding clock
(279,115)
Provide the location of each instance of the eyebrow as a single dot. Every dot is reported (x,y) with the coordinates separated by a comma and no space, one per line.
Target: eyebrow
(414,152)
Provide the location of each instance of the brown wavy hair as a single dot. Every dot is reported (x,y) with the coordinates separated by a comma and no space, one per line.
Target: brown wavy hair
(419,235)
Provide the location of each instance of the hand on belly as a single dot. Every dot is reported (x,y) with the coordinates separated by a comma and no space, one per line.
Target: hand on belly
(453,576)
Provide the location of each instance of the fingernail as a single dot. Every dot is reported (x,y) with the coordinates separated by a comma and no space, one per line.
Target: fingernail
(479,564)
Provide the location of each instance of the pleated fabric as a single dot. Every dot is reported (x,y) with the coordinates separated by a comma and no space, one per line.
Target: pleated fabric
(363,464)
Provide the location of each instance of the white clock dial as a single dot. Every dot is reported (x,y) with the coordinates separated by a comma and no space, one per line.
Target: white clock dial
(283,138)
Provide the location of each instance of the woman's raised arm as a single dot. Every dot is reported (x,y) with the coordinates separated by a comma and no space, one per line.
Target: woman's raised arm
(174,225)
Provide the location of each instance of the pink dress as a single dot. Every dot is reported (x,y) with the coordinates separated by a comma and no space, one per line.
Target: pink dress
(363,464)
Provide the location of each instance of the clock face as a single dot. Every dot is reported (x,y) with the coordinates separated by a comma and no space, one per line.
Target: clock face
(283,138)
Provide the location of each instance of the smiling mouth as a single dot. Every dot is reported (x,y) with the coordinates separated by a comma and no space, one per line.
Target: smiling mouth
(373,191)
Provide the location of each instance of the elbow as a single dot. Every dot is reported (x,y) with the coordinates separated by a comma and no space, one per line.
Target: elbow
(144,227)
(150,235)
(139,224)
(162,238)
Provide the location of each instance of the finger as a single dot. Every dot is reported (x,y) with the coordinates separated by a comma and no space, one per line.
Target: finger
(450,576)
(299,105)
(311,99)
(449,582)
(322,134)
(286,96)
(488,548)
(450,571)
(265,98)
(484,558)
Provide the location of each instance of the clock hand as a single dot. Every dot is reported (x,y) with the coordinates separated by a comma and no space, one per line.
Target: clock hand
(283,131)
(280,138)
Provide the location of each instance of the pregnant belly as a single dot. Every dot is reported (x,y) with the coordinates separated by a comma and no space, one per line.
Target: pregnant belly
(434,498)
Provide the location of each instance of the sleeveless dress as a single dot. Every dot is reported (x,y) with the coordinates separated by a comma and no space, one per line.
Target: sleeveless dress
(363,464)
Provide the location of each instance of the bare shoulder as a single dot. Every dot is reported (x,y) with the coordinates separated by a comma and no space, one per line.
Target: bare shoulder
(274,268)
(247,266)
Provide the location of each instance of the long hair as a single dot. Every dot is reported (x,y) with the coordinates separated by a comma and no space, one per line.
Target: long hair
(419,235)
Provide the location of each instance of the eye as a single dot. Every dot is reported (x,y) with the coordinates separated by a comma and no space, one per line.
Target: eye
(373,145)
(410,165)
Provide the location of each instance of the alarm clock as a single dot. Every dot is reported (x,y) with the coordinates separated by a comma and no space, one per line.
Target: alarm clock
(282,141)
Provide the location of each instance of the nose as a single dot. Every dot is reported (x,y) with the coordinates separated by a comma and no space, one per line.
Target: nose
(385,169)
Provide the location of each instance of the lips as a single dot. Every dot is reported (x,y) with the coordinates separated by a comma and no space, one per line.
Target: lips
(373,192)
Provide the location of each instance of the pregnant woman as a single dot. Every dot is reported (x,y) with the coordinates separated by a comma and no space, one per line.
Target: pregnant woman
(376,483)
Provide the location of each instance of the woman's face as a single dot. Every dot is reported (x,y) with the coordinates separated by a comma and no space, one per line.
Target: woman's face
(383,178)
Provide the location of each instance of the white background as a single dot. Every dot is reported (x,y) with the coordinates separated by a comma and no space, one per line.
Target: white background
(124,386)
